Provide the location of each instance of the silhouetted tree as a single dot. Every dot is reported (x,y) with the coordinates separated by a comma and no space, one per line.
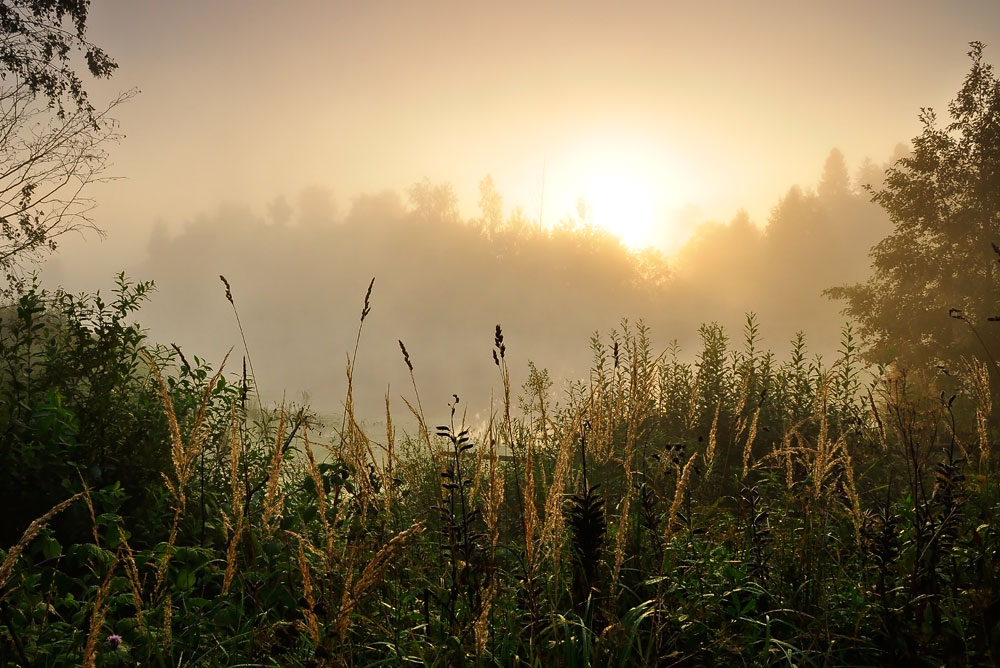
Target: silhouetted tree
(797,225)
(47,161)
(491,206)
(36,48)
(834,182)
(52,140)
(433,201)
(944,203)
(316,206)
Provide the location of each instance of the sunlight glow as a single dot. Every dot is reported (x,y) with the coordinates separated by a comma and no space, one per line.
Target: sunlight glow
(622,204)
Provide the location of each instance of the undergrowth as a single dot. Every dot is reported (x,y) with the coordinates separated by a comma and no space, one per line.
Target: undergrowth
(739,510)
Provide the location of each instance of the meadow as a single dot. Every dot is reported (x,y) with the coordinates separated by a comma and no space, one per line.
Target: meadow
(744,508)
(734,507)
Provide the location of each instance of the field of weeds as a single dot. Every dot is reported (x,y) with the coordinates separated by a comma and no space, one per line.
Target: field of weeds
(744,509)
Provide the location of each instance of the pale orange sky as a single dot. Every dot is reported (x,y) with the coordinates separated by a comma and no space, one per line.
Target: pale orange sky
(714,106)
(709,106)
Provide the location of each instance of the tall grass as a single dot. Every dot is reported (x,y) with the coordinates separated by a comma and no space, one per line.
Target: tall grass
(737,510)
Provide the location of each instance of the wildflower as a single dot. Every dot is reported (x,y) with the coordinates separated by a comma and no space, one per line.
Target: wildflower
(114,640)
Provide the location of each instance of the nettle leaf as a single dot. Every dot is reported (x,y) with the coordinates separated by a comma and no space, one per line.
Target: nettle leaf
(108,519)
(51,548)
(184,579)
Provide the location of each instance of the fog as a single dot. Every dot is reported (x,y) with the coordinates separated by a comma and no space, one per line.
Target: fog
(299,271)
(301,151)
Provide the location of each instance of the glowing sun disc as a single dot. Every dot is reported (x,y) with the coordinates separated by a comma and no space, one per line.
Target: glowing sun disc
(623,205)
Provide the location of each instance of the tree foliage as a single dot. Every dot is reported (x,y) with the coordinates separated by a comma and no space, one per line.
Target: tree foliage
(52,139)
(47,163)
(935,278)
(36,49)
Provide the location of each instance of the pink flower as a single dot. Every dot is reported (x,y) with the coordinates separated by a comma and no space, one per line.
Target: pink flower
(114,640)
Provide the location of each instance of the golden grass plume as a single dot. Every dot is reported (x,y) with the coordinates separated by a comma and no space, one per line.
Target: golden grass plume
(35,528)
(371,576)
(97,616)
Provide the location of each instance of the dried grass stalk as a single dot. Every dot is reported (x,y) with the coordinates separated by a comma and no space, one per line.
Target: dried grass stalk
(29,535)
(823,456)
(786,449)
(389,468)
(90,508)
(979,373)
(97,617)
(237,525)
(134,583)
(880,427)
(493,499)
(851,489)
(183,454)
(356,445)
(312,623)
(552,535)
(168,633)
(371,576)
(321,504)
(273,500)
(530,510)
(713,438)
(481,627)
(751,437)
(640,401)
(492,502)
(682,483)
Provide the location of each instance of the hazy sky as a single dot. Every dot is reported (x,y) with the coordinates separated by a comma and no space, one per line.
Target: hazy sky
(686,112)
(694,109)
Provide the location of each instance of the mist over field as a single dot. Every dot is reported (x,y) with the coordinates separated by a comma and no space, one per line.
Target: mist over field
(299,272)
(563,334)
(303,169)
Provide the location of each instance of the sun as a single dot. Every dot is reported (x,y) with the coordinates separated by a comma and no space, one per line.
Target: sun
(622,204)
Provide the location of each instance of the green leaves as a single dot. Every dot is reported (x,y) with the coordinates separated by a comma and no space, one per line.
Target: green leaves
(184,580)
(944,203)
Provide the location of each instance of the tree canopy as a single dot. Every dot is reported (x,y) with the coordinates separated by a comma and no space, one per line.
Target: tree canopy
(52,139)
(935,280)
(37,48)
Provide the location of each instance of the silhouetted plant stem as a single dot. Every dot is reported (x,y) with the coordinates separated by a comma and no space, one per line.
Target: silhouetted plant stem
(349,401)
(246,348)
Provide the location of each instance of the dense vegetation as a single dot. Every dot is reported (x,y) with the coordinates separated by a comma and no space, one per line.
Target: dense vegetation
(741,510)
